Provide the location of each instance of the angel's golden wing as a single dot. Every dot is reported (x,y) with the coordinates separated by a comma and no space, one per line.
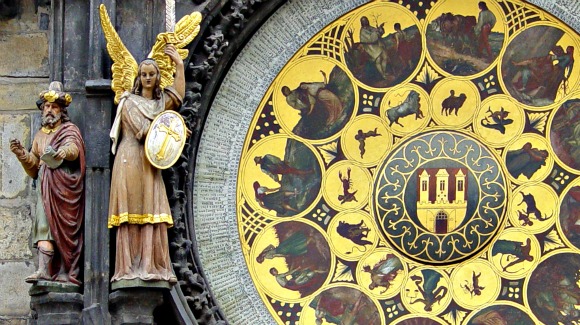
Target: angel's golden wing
(124,67)
(185,31)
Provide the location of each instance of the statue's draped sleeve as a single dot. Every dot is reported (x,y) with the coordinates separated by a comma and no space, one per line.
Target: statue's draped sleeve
(30,160)
(71,150)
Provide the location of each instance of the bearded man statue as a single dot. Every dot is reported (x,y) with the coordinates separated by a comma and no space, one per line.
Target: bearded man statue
(57,162)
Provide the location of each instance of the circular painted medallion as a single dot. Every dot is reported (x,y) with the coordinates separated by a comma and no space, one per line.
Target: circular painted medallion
(440,197)
(553,290)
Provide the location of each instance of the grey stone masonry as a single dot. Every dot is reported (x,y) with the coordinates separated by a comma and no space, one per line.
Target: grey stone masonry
(24,72)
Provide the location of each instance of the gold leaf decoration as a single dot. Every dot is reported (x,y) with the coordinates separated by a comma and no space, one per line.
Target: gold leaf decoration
(343,273)
(428,75)
(329,151)
(124,66)
(518,16)
(538,120)
(455,317)
(185,31)
(552,241)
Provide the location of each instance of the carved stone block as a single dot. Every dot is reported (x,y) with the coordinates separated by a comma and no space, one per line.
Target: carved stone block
(134,306)
(15,223)
(15,93)
(13,180)
(24,55)
(13,290)
(57,308)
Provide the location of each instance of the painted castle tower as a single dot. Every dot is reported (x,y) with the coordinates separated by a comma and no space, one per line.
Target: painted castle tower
(442,199)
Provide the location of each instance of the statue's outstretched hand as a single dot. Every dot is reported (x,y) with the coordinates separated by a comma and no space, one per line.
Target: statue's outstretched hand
(171,51)
(17,148)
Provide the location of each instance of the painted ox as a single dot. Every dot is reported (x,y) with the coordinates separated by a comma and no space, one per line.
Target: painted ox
(455,27)
(410,106)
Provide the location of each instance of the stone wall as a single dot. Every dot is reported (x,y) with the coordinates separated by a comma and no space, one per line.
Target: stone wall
(24,72)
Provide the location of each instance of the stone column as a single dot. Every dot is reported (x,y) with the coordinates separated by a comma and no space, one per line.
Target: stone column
(99,105)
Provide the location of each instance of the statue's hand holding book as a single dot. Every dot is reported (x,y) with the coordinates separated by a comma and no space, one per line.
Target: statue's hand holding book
(50,158)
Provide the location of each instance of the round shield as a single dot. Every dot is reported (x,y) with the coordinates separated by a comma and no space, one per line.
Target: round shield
(165,140)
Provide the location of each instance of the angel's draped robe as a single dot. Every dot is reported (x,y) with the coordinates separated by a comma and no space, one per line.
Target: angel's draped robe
(138,201)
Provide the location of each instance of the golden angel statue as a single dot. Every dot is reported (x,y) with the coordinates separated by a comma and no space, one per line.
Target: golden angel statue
(138,205)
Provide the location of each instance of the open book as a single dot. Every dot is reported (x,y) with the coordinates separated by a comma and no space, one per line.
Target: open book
(48,158)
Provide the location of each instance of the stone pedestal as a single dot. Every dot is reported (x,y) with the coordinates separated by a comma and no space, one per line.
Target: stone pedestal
(134,305)
(55,303)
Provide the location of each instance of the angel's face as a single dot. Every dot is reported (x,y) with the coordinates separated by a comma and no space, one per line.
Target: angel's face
(148,76)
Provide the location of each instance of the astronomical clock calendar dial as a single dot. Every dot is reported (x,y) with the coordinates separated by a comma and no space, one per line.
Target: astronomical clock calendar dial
(418,162)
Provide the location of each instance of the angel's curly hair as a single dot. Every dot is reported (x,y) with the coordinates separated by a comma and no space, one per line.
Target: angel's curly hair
(138,87)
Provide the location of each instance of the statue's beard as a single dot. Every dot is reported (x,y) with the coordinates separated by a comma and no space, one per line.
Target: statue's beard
(50,120)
